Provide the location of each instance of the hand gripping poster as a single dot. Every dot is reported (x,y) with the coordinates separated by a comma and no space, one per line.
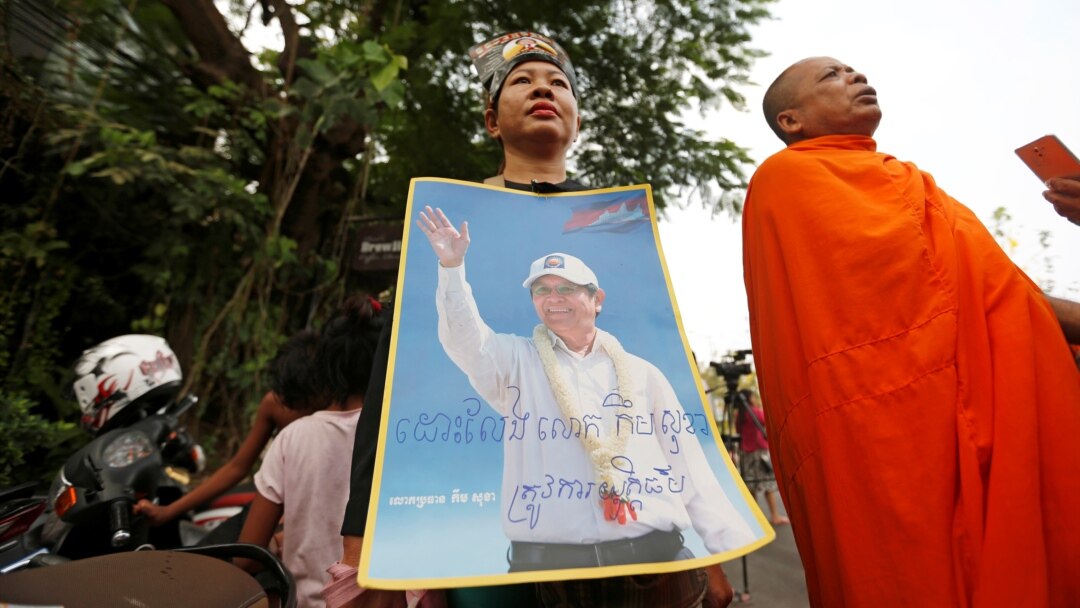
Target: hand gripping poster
(543,418)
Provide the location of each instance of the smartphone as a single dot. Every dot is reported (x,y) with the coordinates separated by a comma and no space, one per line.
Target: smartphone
(1048,158)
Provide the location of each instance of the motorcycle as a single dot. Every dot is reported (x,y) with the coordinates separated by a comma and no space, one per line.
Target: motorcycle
(151,458)
(20,510)
(57,549)
(88,509)
(80,545)
(220,520)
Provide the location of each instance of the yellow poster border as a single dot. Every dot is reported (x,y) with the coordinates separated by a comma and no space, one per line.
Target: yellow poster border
(365,580)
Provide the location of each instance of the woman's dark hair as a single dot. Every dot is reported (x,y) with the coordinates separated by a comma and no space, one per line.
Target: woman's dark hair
(347,348)
(292,372)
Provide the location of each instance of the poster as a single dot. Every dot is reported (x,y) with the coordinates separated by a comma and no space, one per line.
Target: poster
(484,475)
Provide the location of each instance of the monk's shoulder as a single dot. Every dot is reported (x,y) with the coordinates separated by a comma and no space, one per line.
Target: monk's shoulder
(784,161)
(788,167)
(783,177)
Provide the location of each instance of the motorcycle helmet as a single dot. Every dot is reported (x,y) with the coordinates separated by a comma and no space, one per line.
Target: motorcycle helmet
(122,378)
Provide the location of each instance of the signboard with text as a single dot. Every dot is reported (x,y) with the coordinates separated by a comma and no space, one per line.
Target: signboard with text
(376,246)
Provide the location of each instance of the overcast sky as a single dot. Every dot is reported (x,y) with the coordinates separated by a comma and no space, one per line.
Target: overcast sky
(961,85)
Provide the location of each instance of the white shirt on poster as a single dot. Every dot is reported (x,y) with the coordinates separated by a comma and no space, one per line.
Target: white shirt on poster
(544,473)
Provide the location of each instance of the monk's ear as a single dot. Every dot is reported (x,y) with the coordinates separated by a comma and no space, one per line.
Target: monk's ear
(790,122)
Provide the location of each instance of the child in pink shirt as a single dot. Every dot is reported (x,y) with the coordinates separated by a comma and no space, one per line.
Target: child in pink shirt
(305,474)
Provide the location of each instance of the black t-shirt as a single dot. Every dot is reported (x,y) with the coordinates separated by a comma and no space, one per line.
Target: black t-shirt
(367,428)
(547,187)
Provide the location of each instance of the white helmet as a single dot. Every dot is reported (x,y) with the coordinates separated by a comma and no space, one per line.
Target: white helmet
(121,371)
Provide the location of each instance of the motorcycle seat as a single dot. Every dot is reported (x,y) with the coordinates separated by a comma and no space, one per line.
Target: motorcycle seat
(150,579)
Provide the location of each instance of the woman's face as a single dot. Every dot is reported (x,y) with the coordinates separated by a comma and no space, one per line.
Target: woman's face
(536,104)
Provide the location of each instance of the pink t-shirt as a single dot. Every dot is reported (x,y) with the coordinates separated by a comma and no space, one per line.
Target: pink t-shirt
(752,439)
(307,469)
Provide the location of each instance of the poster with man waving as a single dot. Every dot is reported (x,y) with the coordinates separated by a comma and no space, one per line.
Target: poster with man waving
(543,417)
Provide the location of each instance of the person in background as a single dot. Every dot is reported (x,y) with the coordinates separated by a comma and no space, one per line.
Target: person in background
(303,477)
(756,466)
(292,382)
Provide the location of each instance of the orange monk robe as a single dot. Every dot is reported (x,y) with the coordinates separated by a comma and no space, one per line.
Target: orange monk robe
(922,405)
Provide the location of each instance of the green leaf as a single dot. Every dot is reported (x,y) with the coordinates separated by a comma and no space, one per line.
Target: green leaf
(393,94)
(282,250)
(385,76)
(76,168)
(305,88)
(374,52)
(359,110)
(316,70)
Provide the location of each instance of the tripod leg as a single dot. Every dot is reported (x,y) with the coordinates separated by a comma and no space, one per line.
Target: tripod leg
(745,595)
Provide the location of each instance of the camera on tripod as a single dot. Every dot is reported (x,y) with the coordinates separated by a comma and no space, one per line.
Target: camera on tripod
(732,366)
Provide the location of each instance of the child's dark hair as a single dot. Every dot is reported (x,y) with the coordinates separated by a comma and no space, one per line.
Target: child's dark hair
(292,371)
(347,348)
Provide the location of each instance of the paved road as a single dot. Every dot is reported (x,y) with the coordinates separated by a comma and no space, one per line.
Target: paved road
(774,573)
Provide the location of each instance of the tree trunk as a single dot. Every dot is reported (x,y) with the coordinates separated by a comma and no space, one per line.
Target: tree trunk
(221,54)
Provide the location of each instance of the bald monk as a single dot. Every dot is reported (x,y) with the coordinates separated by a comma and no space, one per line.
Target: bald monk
(924,409)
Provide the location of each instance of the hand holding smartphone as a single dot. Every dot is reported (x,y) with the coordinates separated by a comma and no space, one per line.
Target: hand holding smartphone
(1049,158)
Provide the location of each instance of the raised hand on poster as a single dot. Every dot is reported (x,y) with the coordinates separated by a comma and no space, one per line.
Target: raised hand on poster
(448,242)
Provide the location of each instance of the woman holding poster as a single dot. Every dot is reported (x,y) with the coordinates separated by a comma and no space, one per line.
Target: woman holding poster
(533,113)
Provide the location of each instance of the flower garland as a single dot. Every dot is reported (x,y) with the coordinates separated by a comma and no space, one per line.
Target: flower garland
(601,451)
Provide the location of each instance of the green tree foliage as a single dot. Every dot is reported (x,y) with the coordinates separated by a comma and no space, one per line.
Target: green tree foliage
(31,448)
(159,176)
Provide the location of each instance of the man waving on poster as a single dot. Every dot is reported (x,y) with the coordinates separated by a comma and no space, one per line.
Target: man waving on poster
(615,485)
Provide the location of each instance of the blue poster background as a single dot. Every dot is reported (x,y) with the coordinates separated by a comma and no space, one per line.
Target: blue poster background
(418,536)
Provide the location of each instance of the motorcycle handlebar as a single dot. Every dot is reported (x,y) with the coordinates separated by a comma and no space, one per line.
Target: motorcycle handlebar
(120,522)
(177,408)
